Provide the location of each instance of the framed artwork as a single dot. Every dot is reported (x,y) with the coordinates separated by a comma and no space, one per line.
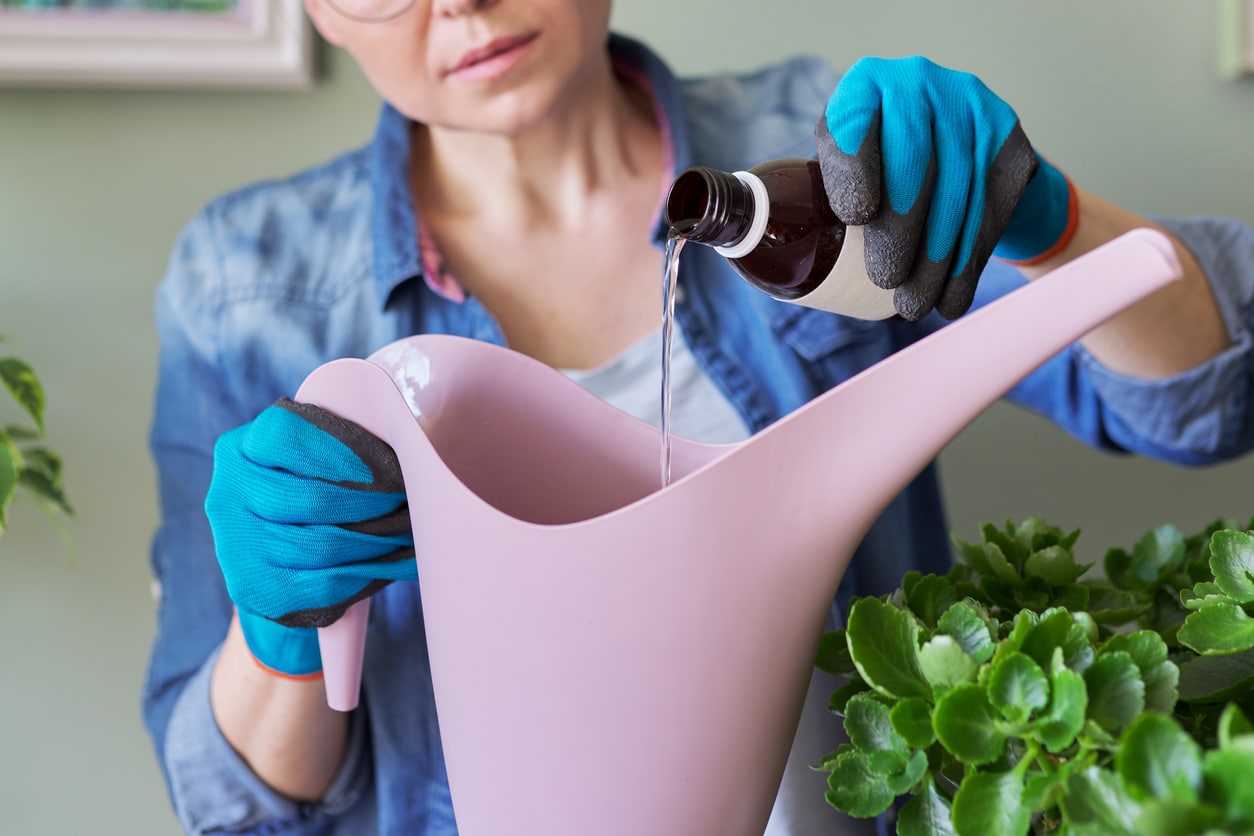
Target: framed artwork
(156,43)
(1236,32)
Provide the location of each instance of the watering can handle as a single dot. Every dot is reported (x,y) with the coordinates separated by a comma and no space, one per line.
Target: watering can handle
(342,646)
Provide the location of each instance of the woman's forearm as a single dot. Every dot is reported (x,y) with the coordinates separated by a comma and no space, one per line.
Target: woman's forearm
(1169,332)
(282,728)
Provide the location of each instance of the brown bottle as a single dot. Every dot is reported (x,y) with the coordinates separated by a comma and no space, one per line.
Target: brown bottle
(774,225)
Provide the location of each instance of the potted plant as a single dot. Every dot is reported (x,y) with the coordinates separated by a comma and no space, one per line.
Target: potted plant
(27,466)
(1016,694)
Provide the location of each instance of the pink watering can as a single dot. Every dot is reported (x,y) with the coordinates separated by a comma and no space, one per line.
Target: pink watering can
(639,656)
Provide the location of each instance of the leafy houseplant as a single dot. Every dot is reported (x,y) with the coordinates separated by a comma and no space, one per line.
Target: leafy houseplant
(26,465)
(1018,695)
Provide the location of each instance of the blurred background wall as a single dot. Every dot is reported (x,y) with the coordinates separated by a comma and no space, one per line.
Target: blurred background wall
(95,184)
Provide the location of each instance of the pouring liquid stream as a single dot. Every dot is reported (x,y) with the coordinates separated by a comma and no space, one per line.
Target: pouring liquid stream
(670,276)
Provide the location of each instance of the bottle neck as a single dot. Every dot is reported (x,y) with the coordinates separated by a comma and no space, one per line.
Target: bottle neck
(722,209)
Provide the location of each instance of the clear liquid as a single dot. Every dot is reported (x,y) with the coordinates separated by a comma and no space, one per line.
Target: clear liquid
(670,276)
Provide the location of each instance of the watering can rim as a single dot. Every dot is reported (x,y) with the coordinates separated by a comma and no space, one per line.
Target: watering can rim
(719,453)
(715,452)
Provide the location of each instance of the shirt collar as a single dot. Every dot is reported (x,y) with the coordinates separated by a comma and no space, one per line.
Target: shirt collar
(393,224)
(398,254)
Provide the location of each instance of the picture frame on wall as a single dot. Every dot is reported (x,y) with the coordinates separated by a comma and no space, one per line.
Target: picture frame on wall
(1236,35)
(209,44)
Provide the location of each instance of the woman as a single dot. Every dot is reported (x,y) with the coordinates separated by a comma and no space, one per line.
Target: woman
(512,193)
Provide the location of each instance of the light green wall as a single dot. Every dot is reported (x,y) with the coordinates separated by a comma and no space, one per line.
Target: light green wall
(94,186)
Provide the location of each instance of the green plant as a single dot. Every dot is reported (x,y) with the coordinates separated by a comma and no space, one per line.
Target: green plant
(26,465)
(1017,694)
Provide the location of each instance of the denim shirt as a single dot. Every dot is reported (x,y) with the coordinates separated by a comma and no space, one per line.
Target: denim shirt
(271,281)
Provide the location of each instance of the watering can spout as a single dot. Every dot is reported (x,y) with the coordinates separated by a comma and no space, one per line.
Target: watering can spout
(551,561)
(957,373)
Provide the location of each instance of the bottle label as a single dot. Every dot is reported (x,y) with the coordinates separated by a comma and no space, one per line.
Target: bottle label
(847,290)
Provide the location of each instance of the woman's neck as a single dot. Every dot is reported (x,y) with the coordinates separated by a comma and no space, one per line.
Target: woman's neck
(604,135)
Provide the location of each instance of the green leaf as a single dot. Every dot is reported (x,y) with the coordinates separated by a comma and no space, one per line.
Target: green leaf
(1146,648)
(1096,796)
(1217,630)
(1067,709)
(970,628)
(1000,566)
(1211,679)
(1044,790)
(840,698)
(19,379)
(1161,677)
(884,643)
(828,762)
(833,656)
(1116,691)
(930,596)
(991,803)
(1087,626)
(965,723)
(855,789)
(1162,688)
(972,554)
(1000,594)
(909,579)
(1226,773)
(41,475)
(1157,758)
(912,719)
(17,432)
(1156,555)
(1017,687)
(1232,724)
(1054,565)
(1006,541)
(1109,605)
(1071,596)
(927,814)
(1207,592)
(945,663)
(904,781)
(1094,736)
(1058,629)
(1021,627)
(1172,817)
(1034,534)
(1232,562)
(1035,594)
(10,467)
(869,729)
(42,488)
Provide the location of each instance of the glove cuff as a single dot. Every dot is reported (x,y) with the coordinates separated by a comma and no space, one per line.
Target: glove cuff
(1045,220)
(288,652)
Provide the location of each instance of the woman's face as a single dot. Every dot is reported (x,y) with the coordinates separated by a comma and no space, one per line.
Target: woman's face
(497,66)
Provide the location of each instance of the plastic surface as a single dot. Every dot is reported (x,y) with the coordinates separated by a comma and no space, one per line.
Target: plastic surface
(614,659)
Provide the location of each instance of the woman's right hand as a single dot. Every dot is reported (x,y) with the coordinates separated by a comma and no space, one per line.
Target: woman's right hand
(939,171)
(309,515)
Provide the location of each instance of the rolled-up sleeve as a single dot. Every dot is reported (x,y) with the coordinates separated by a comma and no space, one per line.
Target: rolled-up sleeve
(215,791)
(1199,416)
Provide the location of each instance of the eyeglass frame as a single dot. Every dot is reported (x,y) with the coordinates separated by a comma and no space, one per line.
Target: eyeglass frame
(406,6)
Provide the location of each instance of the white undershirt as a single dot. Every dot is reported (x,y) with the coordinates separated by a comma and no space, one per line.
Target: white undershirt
(632,381)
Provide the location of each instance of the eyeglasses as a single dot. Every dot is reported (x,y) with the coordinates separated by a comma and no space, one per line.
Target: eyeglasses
(370,11)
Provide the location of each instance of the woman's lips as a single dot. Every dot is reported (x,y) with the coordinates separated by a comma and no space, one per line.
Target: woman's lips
(495,59)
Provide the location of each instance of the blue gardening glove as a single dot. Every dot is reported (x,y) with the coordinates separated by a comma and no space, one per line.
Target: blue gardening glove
(939,171)
(309,515)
